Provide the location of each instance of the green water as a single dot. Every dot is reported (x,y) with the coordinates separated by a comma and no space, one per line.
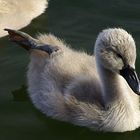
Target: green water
(78,22)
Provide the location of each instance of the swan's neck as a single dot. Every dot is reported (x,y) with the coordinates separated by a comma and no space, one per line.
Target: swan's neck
(115,89)
(122,105)
(110,85)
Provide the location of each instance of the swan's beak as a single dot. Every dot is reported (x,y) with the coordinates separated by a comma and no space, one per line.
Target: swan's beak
(131,77)
(28,42)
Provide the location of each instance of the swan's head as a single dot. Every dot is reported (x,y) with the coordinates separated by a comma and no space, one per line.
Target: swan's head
(115,50)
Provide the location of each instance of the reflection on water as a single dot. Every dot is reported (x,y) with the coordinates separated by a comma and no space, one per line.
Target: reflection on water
(78,22)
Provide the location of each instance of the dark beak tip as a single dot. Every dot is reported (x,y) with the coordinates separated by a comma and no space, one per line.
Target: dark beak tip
(132,79)
(138,91)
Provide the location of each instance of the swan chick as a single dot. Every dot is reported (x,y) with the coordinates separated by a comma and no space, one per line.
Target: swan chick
(99,92)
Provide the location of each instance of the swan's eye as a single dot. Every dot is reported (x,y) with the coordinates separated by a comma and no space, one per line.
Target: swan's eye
(119,55)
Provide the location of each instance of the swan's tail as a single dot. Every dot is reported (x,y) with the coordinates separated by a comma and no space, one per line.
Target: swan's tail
(18,14)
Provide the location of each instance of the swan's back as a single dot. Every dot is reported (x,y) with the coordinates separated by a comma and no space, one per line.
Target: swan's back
(17,14)
(68,82)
